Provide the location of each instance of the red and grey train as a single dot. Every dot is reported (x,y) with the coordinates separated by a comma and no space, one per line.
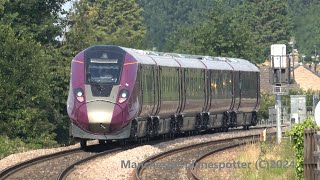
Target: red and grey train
(119,93)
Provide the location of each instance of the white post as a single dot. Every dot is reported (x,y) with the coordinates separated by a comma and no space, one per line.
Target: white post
(278,108)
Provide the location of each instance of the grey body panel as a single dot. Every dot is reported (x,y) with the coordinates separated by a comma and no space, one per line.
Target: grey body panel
(221,91)
(100,109)
(169,93)
(148,90)
(111,98)
(76,132)
(246,78)
(194,91)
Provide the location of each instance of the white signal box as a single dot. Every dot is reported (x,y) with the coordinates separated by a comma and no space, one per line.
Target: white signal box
(279,55)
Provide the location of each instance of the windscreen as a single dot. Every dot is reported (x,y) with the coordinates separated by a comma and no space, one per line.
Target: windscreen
(103,66)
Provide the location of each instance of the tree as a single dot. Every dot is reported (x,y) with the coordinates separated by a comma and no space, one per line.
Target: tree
(25,109)
(307,30)
(224,34)
(40,19)
(106,22)
(165,17)
(1,6)
(82,32)
(269,21)
(30,109)
(296,7)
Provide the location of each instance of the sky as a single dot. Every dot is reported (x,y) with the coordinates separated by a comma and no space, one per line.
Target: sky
(67,5)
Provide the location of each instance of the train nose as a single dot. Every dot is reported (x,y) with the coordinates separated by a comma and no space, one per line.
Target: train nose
(100,115)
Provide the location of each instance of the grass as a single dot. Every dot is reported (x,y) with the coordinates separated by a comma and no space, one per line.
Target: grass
(280,158)
(11,146)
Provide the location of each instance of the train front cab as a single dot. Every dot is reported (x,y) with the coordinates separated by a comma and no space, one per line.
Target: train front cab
(102,89)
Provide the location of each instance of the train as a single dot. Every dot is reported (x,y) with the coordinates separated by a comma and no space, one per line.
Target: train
(118,93)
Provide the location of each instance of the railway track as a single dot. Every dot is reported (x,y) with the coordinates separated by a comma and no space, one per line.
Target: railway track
(64,174)
(180,163)
(50,166)
(174,164)
(60,165)
(68,170)
(192,171)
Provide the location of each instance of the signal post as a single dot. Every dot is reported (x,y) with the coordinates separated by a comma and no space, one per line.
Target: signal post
(280,77)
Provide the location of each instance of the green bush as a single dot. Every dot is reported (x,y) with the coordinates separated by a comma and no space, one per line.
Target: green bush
(267,100)
(296,134)
(10,146)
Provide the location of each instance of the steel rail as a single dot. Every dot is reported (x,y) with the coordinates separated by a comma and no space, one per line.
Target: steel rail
(64,173)
(15,168)
(192,169)
(141,167)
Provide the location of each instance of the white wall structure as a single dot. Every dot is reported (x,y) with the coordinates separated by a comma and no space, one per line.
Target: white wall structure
(279,55)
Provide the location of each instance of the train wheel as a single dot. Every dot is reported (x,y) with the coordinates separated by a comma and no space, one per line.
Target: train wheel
(83,143)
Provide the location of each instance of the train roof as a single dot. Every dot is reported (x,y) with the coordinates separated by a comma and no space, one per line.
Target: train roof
(216,65)
(190,61)
(242,65)
(164,61)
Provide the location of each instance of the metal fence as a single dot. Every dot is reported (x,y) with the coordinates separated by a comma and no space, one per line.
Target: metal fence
(311,154)
(286,118)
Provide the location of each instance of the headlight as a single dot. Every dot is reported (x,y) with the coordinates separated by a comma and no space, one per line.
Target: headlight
(79,94)
(123,96)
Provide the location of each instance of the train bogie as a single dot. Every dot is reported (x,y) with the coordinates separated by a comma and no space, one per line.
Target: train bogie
(164,126)
(216,121)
